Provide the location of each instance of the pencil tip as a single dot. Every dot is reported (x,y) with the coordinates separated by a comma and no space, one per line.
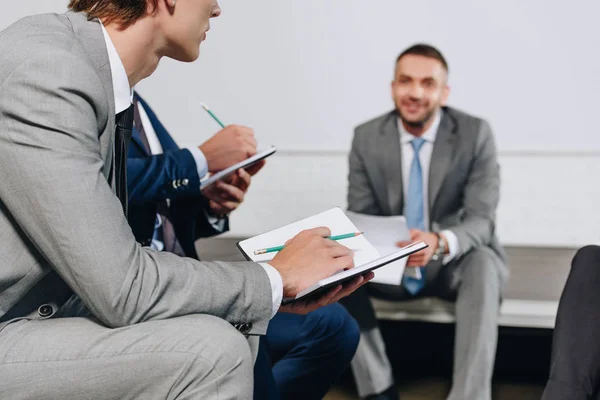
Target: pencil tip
(204,106)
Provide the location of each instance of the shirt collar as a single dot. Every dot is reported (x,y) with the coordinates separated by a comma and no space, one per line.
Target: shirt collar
(429,135)
(123,93)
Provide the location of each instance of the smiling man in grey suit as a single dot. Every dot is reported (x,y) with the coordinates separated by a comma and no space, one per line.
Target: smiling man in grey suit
(437,166)
(85,311)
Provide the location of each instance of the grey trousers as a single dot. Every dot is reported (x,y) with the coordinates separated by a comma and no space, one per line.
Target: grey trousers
(474,282)
(191,357)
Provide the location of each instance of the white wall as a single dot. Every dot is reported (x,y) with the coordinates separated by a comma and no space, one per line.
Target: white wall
(14,10)
(303,73)
(546,200)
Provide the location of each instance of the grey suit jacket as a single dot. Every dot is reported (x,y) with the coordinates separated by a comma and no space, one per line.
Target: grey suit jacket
(61,226)
(464,176)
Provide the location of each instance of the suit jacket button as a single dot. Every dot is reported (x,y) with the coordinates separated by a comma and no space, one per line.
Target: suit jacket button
(185,182)
(174,183)
(245,328)
(45,310)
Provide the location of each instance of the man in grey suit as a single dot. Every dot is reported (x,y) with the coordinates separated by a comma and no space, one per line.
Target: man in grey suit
(436,166)
(85,311)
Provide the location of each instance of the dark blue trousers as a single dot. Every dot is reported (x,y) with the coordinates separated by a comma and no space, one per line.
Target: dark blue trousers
(303,355)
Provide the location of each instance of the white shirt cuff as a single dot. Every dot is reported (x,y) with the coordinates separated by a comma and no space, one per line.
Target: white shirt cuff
(200,160)
(217,223)
(453,247)
(276,286)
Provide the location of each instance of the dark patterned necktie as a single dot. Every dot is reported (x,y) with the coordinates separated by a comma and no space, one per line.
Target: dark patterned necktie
(124,125)
(166,231)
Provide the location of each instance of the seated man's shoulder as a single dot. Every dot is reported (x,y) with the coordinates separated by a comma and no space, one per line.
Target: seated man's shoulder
(40,32)
(468,126)
(373,125)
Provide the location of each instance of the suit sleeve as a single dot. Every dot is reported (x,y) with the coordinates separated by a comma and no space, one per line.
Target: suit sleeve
(170,175)
(52,112)
(361,197)
(481,195)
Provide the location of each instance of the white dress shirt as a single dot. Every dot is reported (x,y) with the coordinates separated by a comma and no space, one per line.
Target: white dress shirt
(123,99)
(425,153)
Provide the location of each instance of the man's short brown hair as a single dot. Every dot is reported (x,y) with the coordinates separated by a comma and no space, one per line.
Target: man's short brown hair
(125,12)
(425,50)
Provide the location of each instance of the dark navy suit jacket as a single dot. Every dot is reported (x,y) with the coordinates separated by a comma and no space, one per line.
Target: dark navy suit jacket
(172,175)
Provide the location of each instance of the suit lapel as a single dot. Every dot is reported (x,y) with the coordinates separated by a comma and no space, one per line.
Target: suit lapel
(390,163)
(137,140)
(441,158)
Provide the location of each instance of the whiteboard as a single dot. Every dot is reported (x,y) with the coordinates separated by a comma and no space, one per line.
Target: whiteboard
(304,73)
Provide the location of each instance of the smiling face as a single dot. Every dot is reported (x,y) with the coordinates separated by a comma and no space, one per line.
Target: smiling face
(419,89)
(184,24)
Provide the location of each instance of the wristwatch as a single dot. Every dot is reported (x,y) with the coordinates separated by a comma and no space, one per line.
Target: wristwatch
(439,252)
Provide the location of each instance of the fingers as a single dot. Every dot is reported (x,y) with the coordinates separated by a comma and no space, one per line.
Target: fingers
(352,286)
(244,180)
(244,137)
(329,296)
(415,233)
(217,209)
(306,306)
(229,192)
(319,231)
(343,263)
(249,149)
(224,198)
(250,145)
(253,169)
(247,136)
(416,260)
(340,251)
(402,243)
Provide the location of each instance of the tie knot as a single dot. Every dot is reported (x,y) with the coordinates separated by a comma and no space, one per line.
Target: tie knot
(417,143)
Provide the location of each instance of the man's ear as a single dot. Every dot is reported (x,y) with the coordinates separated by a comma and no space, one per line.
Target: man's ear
(445,95)
(169,3)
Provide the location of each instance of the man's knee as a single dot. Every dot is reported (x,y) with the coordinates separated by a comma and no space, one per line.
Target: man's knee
(213,341)
(482,268)
(335,330)
(586,261)
(585,270)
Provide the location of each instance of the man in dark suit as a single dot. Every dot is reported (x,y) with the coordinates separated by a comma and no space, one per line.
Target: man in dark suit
(168,212)
(575,364)
(437,166)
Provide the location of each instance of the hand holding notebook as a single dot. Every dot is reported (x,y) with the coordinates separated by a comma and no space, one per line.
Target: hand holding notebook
(214,178)
(316,279)
(308,257)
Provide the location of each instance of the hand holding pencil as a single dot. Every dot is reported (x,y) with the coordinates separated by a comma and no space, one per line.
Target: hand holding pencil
(309,257)
(229,146)
(336,237)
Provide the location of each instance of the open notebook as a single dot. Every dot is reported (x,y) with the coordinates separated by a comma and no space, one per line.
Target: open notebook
(383,233)
(366,257)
